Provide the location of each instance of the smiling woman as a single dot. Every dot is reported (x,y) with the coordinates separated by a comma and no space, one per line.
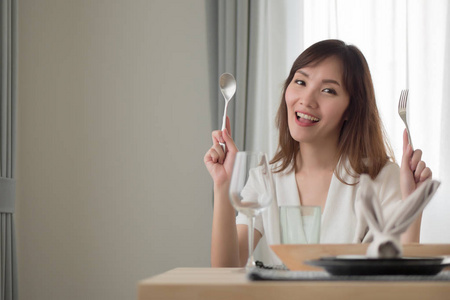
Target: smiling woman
(325,74)
(318,162)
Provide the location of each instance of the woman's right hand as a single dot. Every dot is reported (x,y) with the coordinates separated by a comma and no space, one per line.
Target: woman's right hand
(219,163)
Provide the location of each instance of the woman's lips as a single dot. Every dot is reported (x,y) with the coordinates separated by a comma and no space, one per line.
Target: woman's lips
(305,120)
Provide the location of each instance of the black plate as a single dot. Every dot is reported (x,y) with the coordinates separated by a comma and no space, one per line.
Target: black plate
(361,265)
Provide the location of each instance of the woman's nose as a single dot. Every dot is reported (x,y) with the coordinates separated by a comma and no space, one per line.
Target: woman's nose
(309,99)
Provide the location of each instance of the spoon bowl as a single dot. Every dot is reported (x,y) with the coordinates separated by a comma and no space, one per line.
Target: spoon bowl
(227,85)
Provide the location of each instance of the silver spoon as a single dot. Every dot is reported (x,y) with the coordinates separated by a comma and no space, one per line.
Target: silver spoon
(227,85)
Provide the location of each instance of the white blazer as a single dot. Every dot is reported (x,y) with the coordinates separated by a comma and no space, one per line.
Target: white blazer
(339,223)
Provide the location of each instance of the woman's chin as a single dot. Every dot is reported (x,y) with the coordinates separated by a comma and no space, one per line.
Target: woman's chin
(305,139)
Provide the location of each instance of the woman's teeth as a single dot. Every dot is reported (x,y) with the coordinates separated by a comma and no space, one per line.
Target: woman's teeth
(307,117)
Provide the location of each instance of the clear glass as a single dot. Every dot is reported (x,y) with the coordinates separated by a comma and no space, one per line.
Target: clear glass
(251,190)
(300,224)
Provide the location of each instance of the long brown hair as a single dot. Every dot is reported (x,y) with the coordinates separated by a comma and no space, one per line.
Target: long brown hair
(362,141)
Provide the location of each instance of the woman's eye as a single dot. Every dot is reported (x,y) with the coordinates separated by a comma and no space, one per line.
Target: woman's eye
(329,91)
(299,82)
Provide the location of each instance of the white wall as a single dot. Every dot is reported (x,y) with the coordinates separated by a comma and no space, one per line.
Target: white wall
(113,125)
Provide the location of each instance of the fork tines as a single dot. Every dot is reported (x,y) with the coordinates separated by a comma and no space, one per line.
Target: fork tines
(402,104)
(403,99)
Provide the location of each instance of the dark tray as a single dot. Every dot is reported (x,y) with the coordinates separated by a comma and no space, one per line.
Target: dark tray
(361,265)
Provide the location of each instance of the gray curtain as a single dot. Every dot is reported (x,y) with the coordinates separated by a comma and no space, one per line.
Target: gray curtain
(229,23)
(8,94)
(249,38)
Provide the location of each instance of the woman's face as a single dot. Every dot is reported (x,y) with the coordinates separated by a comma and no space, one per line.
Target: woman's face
(316,100)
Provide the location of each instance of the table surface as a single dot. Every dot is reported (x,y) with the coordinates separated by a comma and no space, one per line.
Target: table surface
(232,283)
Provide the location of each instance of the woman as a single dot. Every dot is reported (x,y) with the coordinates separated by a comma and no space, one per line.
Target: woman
(329,133)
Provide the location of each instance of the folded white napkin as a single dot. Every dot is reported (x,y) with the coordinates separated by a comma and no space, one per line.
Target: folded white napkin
(386,233)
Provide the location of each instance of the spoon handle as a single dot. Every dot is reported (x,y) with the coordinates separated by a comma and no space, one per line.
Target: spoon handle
(224,122)
(224,147)
(224,119)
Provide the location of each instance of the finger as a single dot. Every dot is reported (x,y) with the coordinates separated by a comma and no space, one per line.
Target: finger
(426,174)
(219,151)
(415,159)
(207,157)
(217,137)
(405,140)
(407,153)
(231,146)
(418,173)
(228,126)
(211,156)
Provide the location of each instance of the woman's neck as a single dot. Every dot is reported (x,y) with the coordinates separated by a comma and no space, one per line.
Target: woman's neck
(313,158)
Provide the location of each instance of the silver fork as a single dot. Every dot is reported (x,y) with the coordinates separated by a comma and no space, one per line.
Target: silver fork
(402,112)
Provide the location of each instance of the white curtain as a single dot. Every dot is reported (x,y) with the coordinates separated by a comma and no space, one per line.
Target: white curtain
(436,218)
(405,43)
(276,41)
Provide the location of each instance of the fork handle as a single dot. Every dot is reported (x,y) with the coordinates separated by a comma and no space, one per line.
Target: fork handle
(409,137)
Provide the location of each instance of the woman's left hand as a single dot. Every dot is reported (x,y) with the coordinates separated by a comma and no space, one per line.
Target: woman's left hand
(413,170)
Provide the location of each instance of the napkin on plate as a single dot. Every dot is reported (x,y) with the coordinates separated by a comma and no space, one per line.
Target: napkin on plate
(386,233)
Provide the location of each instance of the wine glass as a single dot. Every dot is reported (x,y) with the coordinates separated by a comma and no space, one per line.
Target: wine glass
(251,190)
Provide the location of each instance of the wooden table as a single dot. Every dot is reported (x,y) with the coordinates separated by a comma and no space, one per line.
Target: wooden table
(231,283)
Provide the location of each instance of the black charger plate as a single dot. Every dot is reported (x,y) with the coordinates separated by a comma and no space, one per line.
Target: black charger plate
(361,265)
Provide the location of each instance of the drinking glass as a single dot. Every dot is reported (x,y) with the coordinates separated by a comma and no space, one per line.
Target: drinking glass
(251,190)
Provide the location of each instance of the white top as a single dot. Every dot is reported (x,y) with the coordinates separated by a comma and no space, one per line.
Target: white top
(339,222)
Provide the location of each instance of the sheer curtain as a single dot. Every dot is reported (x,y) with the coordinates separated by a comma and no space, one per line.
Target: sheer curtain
(275,42)
(436,217)
(405,43)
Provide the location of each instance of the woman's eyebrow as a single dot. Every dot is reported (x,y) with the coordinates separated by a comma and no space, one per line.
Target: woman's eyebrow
(324,81)
(303,73)
(331,81)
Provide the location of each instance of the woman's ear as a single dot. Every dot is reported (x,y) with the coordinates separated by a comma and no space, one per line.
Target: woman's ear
(345,115)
